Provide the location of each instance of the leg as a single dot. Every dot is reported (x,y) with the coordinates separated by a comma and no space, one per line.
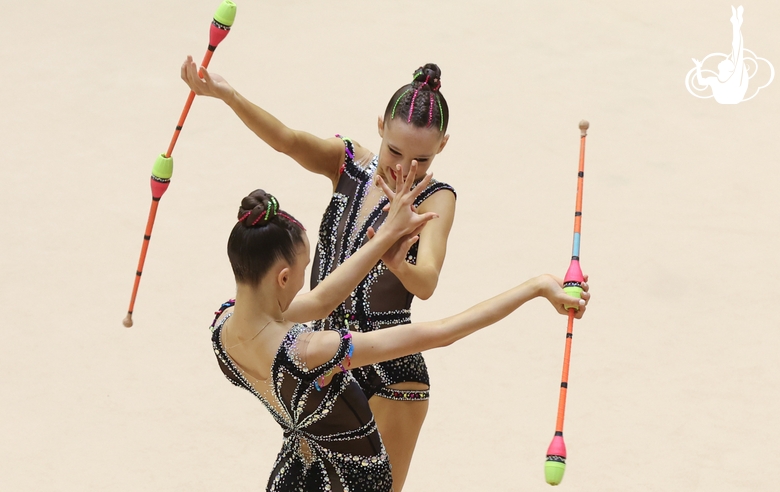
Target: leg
(399,424)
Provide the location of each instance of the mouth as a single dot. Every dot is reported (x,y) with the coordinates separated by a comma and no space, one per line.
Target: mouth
(393,175)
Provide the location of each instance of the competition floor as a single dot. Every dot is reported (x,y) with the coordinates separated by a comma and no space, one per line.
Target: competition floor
(674,375)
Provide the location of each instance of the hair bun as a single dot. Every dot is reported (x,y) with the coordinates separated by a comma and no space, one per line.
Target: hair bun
(428,76)
(258,209)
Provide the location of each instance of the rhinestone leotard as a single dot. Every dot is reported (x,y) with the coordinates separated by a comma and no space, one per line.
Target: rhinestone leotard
(331,442)
(380,300)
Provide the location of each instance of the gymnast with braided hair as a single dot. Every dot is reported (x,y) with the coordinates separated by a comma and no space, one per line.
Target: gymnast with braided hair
(413,131)
(302,375)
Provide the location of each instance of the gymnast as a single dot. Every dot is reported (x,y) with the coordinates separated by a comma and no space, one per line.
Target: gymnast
(305,376)
(413,130)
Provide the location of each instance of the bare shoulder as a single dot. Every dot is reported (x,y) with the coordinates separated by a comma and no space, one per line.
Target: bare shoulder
(224,314)
(322,346)
(363,156)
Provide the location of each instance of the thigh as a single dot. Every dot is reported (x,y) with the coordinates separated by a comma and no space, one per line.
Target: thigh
(399,424)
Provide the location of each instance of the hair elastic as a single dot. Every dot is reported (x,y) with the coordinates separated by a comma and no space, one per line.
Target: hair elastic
(416,91)
(392,115)
(430,111)
(271,211)
(259,217)
(291,219)
(441,113)
(246,214)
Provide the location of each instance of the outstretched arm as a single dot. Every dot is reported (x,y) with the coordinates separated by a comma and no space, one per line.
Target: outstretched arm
(398,341)
(318,155)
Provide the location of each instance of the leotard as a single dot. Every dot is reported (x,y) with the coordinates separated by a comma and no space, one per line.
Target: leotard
(380,300)
(330,438)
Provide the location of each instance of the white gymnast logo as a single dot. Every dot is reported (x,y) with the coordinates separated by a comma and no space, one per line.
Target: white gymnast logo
(730,84)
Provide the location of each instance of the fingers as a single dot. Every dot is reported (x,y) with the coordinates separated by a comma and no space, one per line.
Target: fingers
(370,233)
(582,304)
(426,217)
(570,301)
(409,242)
(381,182)
(408,181)
(580,312)
(422,184)
(185,69)
(189,73)
(204,74)
(402,182)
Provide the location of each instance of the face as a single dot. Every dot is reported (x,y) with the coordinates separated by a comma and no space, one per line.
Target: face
(296,274)
(401,144)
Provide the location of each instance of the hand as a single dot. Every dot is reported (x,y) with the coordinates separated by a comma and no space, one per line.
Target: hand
(396,255)
(697,62)
(736,15)
(402,217)
(203,83)
(551,288)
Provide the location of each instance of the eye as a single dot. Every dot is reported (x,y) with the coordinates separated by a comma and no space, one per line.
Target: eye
(393,151)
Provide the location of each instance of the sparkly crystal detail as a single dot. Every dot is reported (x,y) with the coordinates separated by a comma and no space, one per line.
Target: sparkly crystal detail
(331,442)
(380,300)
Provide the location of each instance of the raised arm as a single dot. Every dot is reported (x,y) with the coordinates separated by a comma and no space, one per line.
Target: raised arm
(318,155)
(402,221)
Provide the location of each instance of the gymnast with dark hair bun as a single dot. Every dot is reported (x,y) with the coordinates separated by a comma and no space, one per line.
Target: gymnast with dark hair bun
(414,131)
(304,376)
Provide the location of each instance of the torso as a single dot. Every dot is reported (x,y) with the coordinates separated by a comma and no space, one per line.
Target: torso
(330,438)
(380,300)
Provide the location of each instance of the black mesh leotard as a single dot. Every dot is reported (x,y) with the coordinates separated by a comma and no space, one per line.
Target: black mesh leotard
(380,300)
(330,438)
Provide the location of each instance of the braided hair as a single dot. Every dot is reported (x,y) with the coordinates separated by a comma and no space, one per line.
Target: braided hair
(263,234)
(421,102)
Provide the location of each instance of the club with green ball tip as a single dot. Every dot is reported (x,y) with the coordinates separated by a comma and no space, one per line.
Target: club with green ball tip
(555,465)
(162,170)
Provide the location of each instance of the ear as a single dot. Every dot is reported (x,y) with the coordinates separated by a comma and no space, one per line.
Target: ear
(380,125)
(283,277)
(443,143)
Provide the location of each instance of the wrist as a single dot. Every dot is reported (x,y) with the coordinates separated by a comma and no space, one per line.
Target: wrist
(384,237)
(398,269)
(388,233)
(538,285)
(230,97)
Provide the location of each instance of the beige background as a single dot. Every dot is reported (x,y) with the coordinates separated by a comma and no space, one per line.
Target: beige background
(674,376)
